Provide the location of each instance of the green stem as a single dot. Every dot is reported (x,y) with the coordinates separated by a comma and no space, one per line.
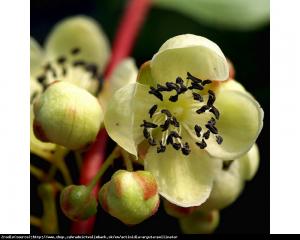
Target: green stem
(109,160)
(127,160)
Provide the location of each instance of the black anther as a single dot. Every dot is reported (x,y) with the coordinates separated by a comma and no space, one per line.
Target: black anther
(179,80)
(206,134)
(176,146)
(186,149)
(93,69)
(75,50)
(219,139)
(41,78)
(197,97)
(64,71)
(196,86)
(146,133)
(202,109)
(212,121)
(161,148)
(175,134)
(206,82)
(215,111)
(167,112)
(212,128)
(156,93)
(152,110)
(198,130)
(172,86)
(174,122)
(194,79)
(166,125)
(201,144)
(161,88)
(169,140)
(61,60)
(148,124)
(173,98)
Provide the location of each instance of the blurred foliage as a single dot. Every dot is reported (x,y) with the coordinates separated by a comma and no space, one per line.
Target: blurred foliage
(231,14)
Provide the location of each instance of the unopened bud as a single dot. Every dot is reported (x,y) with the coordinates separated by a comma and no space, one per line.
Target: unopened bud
(78,203)
(67,115)
(131,197)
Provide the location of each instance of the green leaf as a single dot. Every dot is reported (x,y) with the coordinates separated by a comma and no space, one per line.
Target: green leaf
(231,14)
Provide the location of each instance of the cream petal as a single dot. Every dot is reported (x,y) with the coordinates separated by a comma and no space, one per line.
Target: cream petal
(125,73)
(183,180)
(226,188)
(82,32)
(144,76)
(249,163)
(125,112)
(36,56)
(241,120)
(189,53)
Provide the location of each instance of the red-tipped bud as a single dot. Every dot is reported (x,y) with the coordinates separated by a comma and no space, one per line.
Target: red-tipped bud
(78,203)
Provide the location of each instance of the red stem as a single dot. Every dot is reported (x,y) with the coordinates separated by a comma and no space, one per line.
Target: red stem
(131,22)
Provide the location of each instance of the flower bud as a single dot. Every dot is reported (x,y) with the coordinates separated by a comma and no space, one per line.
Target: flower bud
(177,211)
(131,197)
(67,115)
(78,203)
(200,223)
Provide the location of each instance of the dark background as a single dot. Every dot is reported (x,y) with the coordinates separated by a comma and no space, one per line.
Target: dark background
(250,53)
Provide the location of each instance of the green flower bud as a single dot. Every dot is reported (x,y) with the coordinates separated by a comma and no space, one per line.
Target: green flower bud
(177,211)
(131,197)
(67,115)
(78,203)
(200,223)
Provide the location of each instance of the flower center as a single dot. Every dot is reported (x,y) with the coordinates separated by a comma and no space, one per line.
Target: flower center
(169,117)
(71,68)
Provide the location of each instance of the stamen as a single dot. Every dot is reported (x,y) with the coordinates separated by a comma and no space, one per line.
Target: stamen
(197,97)
(195,86)
(92,68)
(166,125)
(167,112)
(174,122)
(146,133)
(64,71)
(212,121)
(161,88)
(206,134)
(151,141)
(219,139)
(179,80)
(186,149)
(194,79)
(202,109)
(198,130)
(152,110)
(173,98)
(212,128)
(41,78)
(170,140)
(161,147)
(201,144)
(75,51)
(175,135)
(172,86)
(176,146)
(61,60)
(148,124)
(156,93)
(215,111)
(211,98)
(78,63)
(206,82)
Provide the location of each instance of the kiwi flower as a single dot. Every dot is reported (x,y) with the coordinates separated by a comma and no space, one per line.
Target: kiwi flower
(186,115)
(77,51)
